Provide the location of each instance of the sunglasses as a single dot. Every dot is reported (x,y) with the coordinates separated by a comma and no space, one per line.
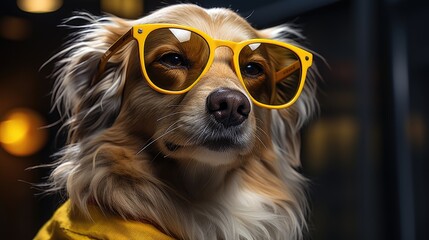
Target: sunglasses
(174,58)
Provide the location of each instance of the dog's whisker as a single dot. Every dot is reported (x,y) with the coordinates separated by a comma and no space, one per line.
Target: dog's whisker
(259,120)
(176,122)
(202,134)
(262,131)
(156,156)
(168,115)
(156,139)
(189,141)
(176,105)
(262,142)
(195,138)
(209,179)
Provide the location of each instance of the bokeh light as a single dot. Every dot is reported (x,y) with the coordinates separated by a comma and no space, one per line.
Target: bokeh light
(14,28)
(39,6)
(123,8)
(22,132)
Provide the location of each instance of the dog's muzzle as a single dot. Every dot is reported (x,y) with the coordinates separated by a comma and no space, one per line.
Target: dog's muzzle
(227,110)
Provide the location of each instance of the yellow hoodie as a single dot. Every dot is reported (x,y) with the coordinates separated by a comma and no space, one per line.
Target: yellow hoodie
(66,225)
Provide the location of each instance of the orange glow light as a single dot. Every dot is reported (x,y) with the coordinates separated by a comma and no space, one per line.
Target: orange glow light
(39,6)
(21,133)
(13,131)
(123,8)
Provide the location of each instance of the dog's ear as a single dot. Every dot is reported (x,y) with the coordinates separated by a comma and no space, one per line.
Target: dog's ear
(87,108)
(286,123)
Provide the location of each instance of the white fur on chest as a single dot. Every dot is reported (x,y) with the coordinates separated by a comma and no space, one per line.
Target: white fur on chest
(244,214)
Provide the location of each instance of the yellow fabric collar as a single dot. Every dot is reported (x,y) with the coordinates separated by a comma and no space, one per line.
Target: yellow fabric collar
(66,225)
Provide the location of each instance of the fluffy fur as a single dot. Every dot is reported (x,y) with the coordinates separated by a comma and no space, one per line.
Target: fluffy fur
(116,155)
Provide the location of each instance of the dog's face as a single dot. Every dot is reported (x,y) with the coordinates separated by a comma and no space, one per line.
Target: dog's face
(215,122)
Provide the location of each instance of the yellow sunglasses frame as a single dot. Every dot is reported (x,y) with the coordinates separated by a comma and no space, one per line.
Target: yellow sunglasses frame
(141,31)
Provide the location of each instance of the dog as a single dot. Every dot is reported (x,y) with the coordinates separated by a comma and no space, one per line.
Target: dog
(178,122)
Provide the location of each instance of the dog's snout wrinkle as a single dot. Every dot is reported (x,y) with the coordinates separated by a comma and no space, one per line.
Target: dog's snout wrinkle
(228,107)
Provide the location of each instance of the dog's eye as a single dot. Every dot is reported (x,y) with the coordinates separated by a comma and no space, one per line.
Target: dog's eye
(252,70)
(173,60)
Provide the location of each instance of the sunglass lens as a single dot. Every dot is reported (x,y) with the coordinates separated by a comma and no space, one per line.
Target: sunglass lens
(271,73)
(175,58)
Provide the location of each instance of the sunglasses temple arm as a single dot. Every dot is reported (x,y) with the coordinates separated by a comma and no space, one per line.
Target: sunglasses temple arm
(287,71)
(127,37)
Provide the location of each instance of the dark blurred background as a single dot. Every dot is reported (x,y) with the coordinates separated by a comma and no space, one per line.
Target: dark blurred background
(366,154)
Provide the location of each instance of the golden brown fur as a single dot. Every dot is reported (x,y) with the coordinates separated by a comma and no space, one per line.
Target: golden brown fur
(116,156)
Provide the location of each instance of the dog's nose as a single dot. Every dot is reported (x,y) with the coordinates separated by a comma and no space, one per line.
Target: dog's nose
(228,107)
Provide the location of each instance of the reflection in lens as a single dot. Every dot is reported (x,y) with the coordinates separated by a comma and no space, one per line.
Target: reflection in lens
(189,46)
(282,73)
(181,35)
